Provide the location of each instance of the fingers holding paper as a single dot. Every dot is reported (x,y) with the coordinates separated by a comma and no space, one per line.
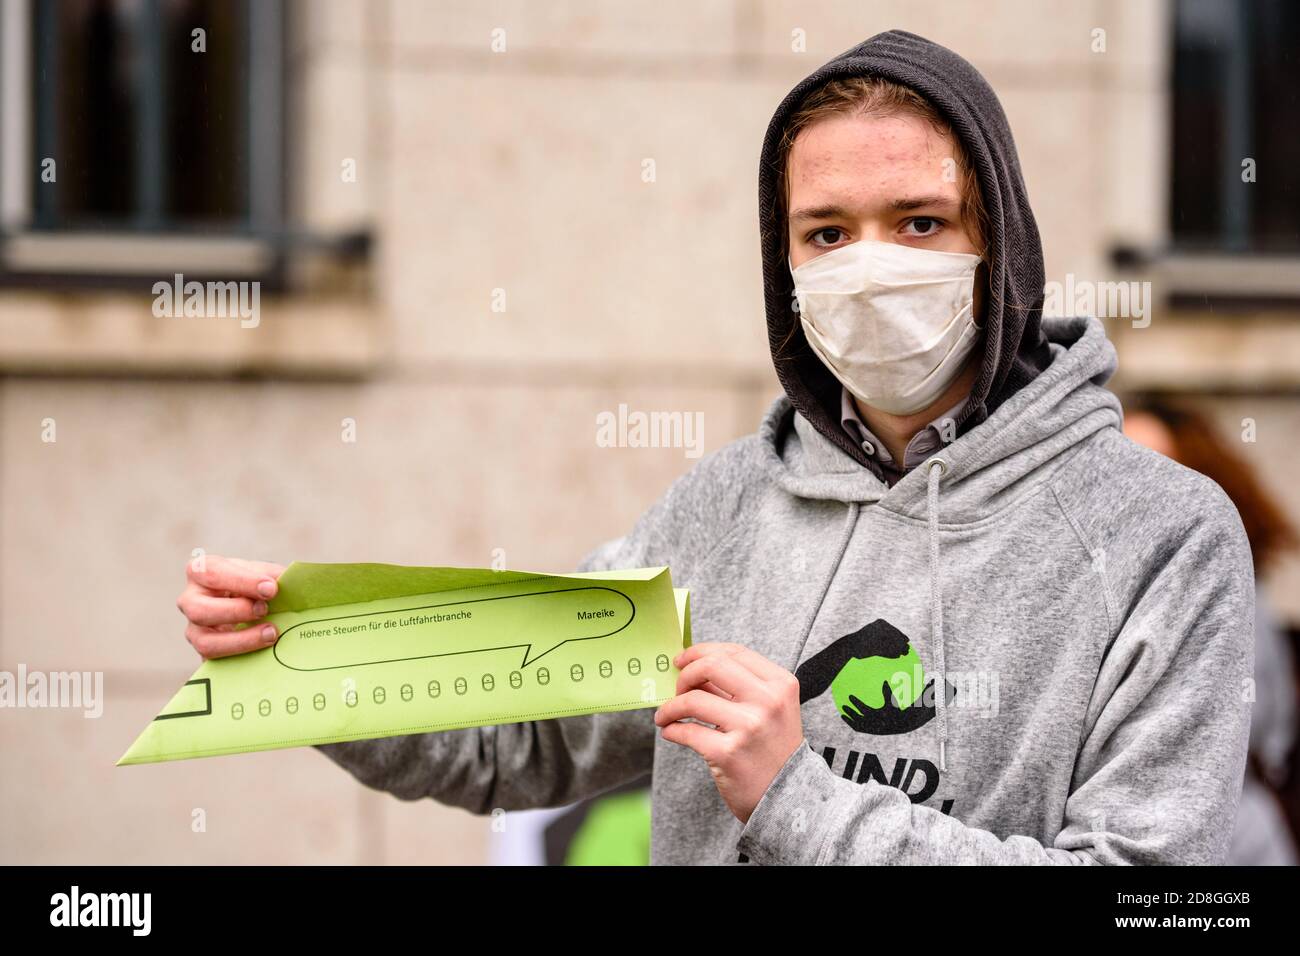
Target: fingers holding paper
(221,593)
(753,707)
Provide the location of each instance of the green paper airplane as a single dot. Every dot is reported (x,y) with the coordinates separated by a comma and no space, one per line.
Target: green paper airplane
(378,650)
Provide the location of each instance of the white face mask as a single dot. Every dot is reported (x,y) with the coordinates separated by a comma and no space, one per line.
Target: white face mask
(893,323)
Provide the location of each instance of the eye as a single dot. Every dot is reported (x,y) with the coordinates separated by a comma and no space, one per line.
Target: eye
(837,233)
(924,227)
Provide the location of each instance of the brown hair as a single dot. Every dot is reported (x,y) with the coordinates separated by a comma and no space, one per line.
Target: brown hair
(1199,447)
(879,97)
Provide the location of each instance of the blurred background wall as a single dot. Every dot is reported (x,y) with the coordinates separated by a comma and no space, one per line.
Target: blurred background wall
(476,226)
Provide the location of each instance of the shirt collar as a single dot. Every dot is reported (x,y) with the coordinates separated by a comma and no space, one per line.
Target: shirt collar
(925,441)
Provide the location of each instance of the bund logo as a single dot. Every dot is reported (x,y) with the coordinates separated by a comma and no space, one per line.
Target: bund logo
(876,680)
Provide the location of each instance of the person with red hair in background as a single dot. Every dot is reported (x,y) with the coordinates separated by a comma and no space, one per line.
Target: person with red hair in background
(1262,835)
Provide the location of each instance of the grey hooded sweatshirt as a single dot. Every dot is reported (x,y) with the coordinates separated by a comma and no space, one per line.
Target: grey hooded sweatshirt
(1035,648)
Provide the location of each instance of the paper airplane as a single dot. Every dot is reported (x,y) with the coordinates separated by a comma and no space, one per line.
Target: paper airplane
(377,650)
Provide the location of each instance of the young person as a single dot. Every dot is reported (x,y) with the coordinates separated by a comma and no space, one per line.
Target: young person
(945,612)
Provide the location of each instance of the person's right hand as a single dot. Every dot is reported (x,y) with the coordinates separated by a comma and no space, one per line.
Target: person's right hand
(226,592)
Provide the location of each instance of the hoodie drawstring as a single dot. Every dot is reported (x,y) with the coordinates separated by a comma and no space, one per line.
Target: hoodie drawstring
(936,468)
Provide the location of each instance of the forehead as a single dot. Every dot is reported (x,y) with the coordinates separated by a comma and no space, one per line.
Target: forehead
(870,156)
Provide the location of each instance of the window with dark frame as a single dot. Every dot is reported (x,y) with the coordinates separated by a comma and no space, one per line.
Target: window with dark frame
(145,137)
(1235,99)
(148,132)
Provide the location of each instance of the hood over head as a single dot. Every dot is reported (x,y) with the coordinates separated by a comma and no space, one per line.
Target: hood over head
(1014,349)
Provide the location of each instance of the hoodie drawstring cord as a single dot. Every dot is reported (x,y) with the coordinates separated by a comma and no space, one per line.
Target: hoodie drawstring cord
(936,468)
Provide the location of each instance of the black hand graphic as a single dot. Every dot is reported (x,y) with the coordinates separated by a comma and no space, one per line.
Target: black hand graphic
(877,639)
(891,718)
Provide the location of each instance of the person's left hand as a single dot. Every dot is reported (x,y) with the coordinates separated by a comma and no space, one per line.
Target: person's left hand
(755,707)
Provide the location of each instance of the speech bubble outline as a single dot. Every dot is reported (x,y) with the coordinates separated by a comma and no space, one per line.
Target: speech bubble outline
(527,646)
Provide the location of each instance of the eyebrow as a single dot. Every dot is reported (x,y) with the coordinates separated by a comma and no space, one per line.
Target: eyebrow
(836,211)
